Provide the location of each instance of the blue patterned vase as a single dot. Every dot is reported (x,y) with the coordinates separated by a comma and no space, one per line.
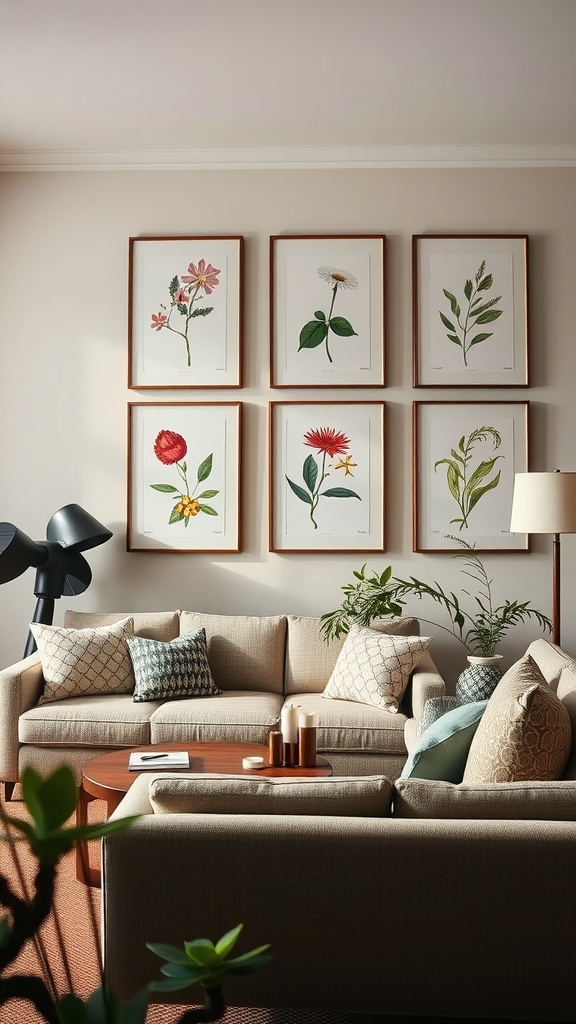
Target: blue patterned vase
(479,680)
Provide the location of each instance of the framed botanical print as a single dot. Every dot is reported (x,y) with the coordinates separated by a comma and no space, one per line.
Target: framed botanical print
(326,476)
(470,310)
(185,312)
(184,476)
(327,311)
(465,457)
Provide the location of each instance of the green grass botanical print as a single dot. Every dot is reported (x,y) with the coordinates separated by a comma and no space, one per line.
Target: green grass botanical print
(466,477)
(317,331)
(329,443)
(170,448)
(184,291)
(475,314)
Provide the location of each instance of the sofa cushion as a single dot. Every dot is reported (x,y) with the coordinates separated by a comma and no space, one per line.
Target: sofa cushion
(374,668)
(96,721)
(550,659)
(442,751)
(566,692)
(310,659)
(246,652)
(236,716)
(350,727)
(171,671)
(154,625)
(525,732)
(536,801)
(80,662)
(367,797)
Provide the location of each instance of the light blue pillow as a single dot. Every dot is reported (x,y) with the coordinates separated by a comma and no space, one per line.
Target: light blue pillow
(442,750)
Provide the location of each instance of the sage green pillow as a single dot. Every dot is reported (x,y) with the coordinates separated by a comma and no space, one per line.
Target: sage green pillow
(442,750)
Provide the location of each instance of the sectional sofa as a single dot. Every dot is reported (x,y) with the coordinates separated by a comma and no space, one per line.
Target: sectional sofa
(257,662)
(412,897)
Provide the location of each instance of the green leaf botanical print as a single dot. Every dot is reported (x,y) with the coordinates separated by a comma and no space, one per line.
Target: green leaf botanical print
(317,331)
(170,448)
(468,483)
(463,323)
(184,291)
(329,443)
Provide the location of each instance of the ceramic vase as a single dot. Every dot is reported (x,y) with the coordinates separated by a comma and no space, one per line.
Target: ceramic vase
(479,680)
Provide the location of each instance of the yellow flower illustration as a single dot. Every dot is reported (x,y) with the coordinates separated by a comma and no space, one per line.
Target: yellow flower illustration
(346,464)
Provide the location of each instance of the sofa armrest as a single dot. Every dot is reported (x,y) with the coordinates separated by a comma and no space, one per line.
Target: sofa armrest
(426,682)
(20,689)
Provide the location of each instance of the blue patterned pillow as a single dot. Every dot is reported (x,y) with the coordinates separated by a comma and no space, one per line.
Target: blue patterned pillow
(171,671)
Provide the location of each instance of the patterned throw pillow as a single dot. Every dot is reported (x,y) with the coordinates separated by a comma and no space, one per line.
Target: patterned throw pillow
(525,732)
(174,670)
(374,668)
(81,662)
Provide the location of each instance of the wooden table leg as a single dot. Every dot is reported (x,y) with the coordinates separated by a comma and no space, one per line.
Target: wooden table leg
(84,872)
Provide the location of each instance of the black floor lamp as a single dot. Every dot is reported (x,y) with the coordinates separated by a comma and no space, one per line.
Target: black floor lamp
(546,503)
(61,568)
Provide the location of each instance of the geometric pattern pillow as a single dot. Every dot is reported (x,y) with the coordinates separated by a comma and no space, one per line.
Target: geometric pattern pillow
(172,671)
(525,732)
(80,662)
(374,668)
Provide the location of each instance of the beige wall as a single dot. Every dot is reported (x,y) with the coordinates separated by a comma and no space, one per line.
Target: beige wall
(63,311)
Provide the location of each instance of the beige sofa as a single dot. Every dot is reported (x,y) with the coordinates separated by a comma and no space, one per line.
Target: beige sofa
(258,663)
(412,897)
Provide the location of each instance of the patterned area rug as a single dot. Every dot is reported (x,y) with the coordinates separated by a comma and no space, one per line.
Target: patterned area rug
(77,906)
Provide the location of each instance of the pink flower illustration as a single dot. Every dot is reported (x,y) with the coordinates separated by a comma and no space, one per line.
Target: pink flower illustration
(186,290)
(158,321)
(202,276)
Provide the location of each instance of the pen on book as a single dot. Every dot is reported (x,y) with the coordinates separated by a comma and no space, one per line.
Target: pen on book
(152,757)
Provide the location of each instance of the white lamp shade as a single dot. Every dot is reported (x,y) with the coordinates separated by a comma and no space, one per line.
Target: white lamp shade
(544,503)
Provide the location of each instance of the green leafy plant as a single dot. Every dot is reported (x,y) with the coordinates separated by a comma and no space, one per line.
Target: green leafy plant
(481,630)
(466,483)
(317,331)
(50,802)
(477,313)
(329,443)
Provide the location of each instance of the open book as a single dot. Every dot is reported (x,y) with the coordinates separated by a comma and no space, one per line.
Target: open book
(154,759)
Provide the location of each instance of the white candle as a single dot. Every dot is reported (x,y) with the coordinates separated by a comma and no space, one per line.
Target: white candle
(289,724)
(307,720)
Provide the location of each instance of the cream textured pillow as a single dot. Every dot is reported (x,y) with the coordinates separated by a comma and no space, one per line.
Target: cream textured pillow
(365,796)
(525,732)
(374,668)
(80,662)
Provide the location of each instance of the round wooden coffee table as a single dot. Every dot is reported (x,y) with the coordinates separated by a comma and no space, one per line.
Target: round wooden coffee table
(108,778)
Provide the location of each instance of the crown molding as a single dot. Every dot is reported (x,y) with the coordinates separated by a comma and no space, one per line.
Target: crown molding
(293,159)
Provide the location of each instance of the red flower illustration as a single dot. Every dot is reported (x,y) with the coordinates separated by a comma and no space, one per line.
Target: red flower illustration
(158,321)
(327,440)
(170,447)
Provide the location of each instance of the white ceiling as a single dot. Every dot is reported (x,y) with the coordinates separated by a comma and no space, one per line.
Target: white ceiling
(287,82)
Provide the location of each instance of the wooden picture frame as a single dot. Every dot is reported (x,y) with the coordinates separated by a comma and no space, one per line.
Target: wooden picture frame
(326,476)
(465,456)
(184,476)
(327,311)
(470,310)
(185,312)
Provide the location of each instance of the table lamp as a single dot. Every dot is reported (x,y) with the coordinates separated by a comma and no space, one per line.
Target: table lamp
(546,503)
(61,568)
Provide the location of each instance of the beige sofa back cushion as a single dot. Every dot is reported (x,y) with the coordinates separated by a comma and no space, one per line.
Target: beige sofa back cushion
(310,660)
(245,652)
(364,797)
(163,626)
(567,694)
(550,660)
(535,801)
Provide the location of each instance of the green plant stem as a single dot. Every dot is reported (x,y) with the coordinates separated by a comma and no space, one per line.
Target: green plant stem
(316,495)
(334,290)
(213,1009)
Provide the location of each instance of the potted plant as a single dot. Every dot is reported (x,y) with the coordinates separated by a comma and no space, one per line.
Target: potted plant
(480,629)
(50,801)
